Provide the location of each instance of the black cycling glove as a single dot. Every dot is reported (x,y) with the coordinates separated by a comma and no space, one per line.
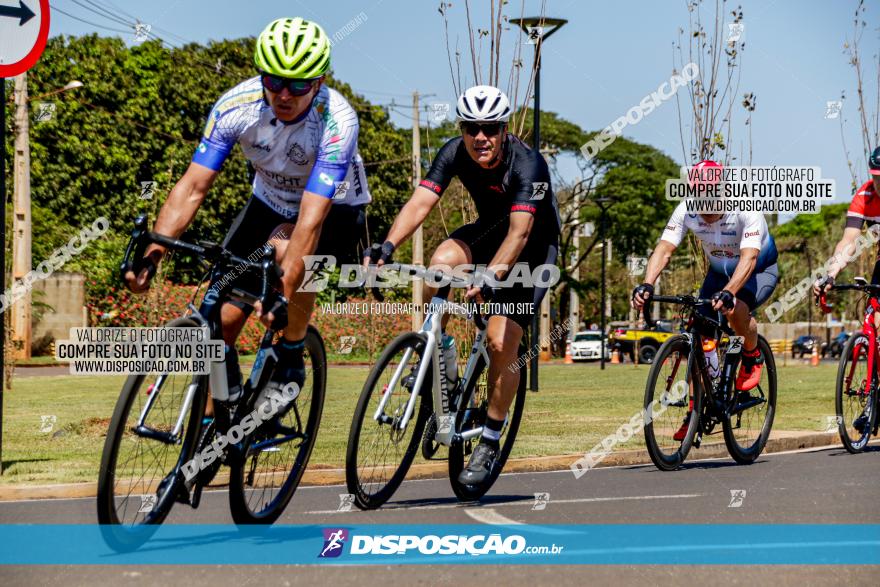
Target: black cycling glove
(642,290)
(727,299)
(377,252)
(825,282)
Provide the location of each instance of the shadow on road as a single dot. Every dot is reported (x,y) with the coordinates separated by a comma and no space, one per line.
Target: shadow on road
(486,501)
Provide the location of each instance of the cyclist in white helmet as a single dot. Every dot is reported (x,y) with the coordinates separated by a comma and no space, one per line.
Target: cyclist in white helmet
(517,222)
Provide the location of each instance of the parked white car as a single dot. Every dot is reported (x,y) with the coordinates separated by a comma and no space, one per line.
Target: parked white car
(587,345)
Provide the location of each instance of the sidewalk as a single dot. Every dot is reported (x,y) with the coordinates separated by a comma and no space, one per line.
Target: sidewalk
(317,474)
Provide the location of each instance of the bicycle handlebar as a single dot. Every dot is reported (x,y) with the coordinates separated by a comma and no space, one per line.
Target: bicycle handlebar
(688,300)
(822,298)
(212,252)
(424,272)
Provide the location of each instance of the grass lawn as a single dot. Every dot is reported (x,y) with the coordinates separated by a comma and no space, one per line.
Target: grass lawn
(576,407)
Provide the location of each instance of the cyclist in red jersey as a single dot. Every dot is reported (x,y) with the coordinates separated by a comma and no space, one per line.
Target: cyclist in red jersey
(864,210)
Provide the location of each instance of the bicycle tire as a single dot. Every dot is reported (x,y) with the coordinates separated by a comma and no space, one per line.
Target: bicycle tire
(119,535)
(242,512)
(366,496)
(673,460)
(748,455)
(851,443)
(459,450)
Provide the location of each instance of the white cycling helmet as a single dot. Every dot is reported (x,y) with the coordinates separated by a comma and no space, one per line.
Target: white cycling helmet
(483,104)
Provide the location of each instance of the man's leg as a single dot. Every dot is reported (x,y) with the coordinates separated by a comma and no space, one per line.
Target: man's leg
(744,324)
(451,253)
(502,337)
(291,364)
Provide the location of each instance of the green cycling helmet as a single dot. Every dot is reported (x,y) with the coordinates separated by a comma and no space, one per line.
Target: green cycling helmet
(294,48)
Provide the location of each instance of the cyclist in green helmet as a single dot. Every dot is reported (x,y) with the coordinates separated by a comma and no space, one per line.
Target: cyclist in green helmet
(309,188)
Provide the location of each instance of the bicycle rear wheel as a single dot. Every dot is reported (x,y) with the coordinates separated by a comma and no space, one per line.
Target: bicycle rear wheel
(673,396)
(263,480)
(747,429)
(379,454)
(138,479)
(476,404)
(855,393)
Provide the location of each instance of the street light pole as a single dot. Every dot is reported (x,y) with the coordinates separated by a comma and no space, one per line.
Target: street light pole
(599,202)
(529,25)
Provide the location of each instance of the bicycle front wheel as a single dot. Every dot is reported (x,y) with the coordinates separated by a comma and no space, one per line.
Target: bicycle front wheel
(673,396)
(138,480)
(854,394)
(263,480)
(473,415)
(379,452)
(747,428)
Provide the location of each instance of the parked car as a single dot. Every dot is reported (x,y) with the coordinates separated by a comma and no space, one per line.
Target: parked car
(836,347)
(587,345)
(624,340)
(804,345)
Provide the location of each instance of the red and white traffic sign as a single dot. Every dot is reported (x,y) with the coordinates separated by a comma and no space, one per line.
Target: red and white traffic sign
(24,28)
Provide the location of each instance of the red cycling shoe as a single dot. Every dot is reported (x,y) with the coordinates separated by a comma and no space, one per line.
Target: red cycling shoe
(750,370)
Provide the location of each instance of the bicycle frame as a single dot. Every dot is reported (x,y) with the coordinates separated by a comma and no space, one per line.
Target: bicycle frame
(208,316)
(723,401)
(445,410)
(868,330)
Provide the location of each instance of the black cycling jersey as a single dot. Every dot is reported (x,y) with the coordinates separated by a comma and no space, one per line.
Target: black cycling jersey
(521,183)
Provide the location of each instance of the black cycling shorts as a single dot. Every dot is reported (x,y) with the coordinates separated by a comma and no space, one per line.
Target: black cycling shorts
(342,233)
(517,302)
(755,292)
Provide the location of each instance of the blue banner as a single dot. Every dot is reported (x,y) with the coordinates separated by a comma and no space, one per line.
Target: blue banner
(790,544)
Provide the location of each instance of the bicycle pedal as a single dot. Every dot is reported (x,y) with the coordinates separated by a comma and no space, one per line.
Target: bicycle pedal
(182,495)
(196,497)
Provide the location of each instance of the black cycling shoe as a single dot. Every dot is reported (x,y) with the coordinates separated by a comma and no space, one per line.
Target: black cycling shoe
(480,465)
(191,491)
(861,423)
(291,368)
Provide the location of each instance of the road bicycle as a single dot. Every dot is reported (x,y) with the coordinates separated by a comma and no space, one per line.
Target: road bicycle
(159,422)
(407,387)
(692,379)
(856,396)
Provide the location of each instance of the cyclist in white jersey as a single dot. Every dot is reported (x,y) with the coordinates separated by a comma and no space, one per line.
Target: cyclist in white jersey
(742,275)
(309,189)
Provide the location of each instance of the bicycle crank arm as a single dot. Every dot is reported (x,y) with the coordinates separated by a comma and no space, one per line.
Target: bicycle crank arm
(739,408)
(163,437)
(273,442)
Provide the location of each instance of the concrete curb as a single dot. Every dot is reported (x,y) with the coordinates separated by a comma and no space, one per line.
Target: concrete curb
(316,475)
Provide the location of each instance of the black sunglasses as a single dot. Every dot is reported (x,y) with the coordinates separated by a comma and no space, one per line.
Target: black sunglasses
(490,129)
(297,87)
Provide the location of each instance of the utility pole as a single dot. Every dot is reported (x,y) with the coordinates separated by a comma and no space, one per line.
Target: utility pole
(418,256)
(2,252)
(21,219)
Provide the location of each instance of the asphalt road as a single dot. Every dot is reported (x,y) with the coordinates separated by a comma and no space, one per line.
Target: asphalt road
(816,486)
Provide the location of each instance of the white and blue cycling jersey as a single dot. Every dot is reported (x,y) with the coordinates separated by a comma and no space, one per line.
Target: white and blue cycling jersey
(723,239)
(317,152)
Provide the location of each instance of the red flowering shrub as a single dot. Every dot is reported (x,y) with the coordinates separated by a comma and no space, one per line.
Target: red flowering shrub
(166,301)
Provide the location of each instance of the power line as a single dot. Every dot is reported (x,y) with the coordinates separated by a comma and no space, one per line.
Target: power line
(116,8)
(103,12)
(88,22)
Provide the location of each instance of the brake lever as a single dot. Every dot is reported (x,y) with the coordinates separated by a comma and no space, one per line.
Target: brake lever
(135,248)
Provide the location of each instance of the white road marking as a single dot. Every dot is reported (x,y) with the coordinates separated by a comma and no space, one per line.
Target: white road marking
(468,508)
(491,517)
(874,442)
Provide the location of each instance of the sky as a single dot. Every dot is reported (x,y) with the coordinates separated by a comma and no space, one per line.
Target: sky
(600,64)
